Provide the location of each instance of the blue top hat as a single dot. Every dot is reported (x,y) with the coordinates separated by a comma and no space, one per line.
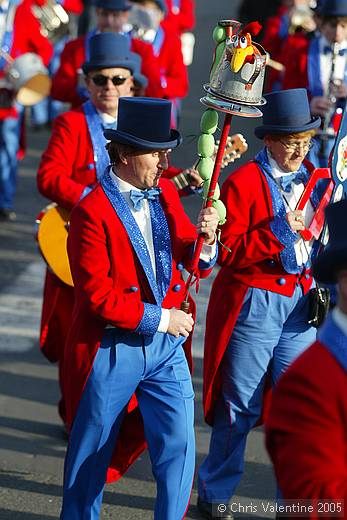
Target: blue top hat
(144,123)
(287,112)
(334,256)
(332,8)
(138,76)
(113,5)
(107,50)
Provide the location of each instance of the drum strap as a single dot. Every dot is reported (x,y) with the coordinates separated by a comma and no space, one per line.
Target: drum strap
(6,34)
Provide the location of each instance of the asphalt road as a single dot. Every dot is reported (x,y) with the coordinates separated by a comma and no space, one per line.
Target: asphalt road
(32,441)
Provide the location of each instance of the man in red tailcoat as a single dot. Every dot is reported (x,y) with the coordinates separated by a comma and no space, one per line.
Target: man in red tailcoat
(318,62)
(258,314)
(111,16)
(124,362)
(306,432)
(167,49)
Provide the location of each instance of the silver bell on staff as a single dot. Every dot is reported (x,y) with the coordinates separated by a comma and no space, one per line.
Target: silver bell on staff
(237,74)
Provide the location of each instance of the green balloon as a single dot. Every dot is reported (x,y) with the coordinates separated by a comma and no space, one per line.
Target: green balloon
(209,121)
(206,145)
(205,168)
(219,34)
(216,191)
(221,210)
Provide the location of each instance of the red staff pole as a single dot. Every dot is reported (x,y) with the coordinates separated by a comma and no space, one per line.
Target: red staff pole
(208,204)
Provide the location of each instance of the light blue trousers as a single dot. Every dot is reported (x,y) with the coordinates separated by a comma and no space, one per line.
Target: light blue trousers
(271,331)
(156,369)
(9,144)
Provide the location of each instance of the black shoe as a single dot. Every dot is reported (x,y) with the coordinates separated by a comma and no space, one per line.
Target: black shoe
(7,214)
(209,510)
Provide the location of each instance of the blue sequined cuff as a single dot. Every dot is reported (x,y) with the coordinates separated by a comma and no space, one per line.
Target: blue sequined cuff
(150,320)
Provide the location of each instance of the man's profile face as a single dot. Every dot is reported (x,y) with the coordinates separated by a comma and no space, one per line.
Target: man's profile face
(143,169)
(105,97)
(108,20)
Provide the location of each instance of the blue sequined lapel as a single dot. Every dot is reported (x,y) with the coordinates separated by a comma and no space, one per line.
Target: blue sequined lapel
(96,132)
(162,246)
(123,211)
(334,340)
(278,226)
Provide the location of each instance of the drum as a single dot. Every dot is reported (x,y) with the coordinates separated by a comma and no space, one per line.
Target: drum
(52,233)
(29,78)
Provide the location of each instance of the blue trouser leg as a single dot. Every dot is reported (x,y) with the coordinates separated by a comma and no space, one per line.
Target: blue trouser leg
(9,144)
(158,370)
(270,332)
(166,401)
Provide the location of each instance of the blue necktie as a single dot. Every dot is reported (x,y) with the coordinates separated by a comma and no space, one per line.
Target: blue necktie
(286,180)
(137,196)
(328,50)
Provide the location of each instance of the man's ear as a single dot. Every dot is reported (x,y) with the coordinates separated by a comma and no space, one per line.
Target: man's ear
(123,157)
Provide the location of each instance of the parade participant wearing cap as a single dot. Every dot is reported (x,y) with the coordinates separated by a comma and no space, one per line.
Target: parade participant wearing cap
(319,64)
(19,34)
(111,16)
(167,48)
(258,313)
(75,159)
(129,240)
(307,422)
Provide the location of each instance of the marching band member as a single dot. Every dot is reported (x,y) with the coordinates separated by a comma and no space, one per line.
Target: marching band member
(128,243)
(19,34)
(180,15)
(111,16)
(320,65)
(74,160)
(258,313)
(307,421)
(167,48)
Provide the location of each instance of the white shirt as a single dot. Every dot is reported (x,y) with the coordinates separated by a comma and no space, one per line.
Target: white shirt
(106,118)
(340,319)
(302,248)
(326,61)
(143,220)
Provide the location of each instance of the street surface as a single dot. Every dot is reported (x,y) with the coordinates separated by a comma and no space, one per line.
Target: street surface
(32,440)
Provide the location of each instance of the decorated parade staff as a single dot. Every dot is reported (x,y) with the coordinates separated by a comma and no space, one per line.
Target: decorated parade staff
(319,64)
(258,314)
(19,34)
(111,16)
(128,243)
(75,159)
(308,418)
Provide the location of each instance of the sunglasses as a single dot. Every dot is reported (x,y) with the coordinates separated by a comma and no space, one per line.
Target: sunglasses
(101,81)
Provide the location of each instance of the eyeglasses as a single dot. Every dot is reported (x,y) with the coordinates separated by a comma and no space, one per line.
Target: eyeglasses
(101,81)
(296,147)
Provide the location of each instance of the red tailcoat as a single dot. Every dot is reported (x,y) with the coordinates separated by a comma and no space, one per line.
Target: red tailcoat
(250,259)
(173,72)
(180,20)
(294,58)
(307,428)
(67,167)
(64,83)
(27,38)
(105,266)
